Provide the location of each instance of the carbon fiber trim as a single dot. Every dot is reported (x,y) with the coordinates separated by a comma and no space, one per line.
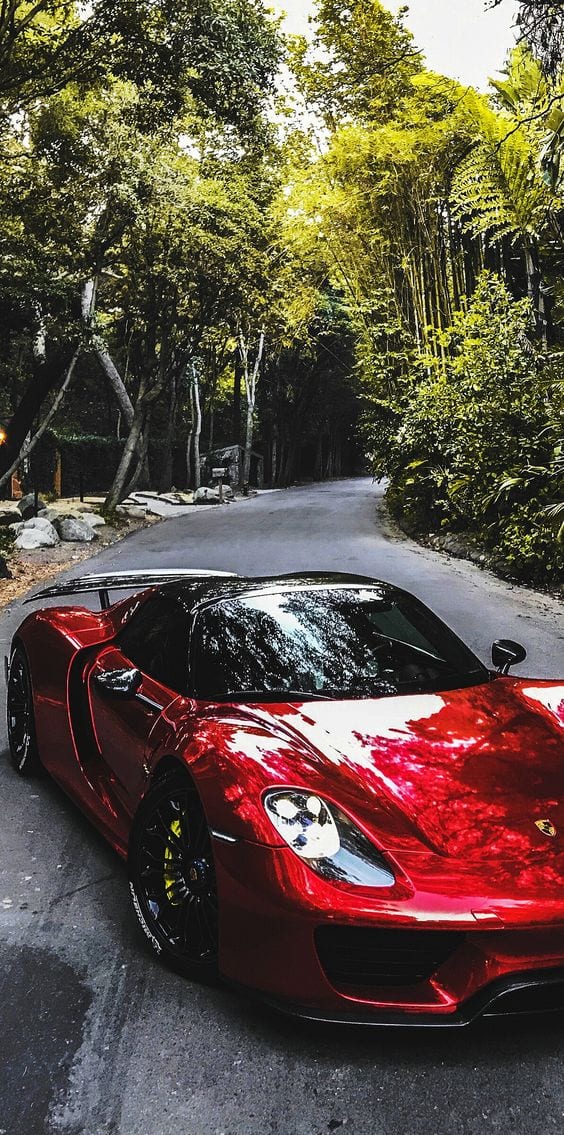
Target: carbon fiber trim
(488,1003)
(124,581)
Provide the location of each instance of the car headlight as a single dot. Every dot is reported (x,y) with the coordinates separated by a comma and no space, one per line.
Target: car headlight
(327,839)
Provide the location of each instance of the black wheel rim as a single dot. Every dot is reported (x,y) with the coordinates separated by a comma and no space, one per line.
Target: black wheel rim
(20,710)
(177,879)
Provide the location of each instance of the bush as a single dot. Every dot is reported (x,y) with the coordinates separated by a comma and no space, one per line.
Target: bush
(6,542)
(480,428)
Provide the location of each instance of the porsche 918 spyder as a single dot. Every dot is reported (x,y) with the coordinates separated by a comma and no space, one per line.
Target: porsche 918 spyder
(321,793)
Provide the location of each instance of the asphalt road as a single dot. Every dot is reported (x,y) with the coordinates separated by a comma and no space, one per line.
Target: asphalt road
(96,1038)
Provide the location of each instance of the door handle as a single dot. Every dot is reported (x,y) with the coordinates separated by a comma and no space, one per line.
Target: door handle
(118,683)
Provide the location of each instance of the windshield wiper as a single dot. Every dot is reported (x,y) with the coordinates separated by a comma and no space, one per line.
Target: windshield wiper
(269,695)
(411,646)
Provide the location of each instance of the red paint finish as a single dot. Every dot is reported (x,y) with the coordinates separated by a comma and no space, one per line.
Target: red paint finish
(447,785)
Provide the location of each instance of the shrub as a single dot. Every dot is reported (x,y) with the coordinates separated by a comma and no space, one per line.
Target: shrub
(479,432)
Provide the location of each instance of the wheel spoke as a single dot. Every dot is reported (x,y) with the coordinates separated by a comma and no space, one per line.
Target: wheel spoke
(20,715)
(177,877)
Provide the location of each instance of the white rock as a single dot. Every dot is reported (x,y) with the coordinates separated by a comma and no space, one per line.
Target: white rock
(205,495)
(76,531)
(93,519)
(40,522)
(34,536)
(133,511)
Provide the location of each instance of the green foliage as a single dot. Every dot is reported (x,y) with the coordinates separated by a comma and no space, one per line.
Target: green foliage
(6,542)
(362,61)
(471,429)
(222,54)
(497,189)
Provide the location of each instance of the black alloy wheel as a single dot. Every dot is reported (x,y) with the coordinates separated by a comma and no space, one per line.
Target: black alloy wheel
(20,716)
(172,877)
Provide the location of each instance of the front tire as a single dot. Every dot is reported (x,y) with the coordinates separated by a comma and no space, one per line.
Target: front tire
(172,877)
(20,714)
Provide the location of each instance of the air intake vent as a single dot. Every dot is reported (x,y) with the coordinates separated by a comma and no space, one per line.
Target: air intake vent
(356,956)
(539,997)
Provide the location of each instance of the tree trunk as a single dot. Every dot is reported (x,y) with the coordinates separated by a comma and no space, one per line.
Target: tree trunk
(236,420)
(47,376)
(250,377)
(31,441)
(535,289)
(142,466)
(210,441)
(117,492)
(116,382)
(88,310)
(165,477)
(274,456)
(248,444)
(197,427)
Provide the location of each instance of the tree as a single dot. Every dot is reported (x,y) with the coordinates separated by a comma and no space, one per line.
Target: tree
(541,26)
(221,53)
(498,190)
(360,64)
(78,161)
(251,372)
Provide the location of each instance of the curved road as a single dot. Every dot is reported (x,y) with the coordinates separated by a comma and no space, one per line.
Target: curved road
(97,1039)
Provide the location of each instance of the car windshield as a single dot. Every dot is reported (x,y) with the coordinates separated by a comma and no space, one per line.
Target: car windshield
(334,642)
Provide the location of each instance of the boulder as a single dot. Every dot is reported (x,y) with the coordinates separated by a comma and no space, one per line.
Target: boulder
(41,523)
(93,519)
(36,533)
(205,495)
(55,515)
(76,531)
(133,511)
(5,572)
(26,505)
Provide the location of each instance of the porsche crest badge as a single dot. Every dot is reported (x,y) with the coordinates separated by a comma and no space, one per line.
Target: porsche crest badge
(546,827)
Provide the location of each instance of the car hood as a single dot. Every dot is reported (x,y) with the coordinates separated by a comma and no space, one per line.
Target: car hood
(469,772)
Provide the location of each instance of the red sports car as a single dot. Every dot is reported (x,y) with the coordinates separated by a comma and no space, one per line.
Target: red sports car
(321,793)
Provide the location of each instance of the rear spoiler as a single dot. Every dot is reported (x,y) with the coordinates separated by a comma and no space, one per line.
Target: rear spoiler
(124,581)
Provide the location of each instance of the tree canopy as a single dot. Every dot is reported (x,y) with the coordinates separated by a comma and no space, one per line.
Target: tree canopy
(363,267)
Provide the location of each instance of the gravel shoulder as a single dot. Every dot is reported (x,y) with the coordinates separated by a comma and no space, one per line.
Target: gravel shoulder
(32,568)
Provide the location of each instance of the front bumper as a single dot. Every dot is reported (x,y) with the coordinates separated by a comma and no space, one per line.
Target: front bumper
(526,994)
(411,962)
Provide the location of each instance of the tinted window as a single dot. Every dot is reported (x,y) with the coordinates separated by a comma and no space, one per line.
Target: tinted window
(156,641)
(347,643)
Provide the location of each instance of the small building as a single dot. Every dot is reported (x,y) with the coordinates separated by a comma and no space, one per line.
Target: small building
(231,458)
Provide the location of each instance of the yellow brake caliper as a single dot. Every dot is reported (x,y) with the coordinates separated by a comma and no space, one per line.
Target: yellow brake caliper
(170,880)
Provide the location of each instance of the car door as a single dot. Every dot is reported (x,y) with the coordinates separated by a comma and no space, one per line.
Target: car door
(131,683)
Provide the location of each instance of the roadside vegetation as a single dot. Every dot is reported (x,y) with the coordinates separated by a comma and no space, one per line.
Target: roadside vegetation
(367,261)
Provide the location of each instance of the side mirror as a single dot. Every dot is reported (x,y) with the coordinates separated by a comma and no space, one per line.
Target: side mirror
(118,683)
(506,653)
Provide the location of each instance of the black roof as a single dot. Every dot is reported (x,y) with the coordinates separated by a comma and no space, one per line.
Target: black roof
(198,591)
(192,586)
